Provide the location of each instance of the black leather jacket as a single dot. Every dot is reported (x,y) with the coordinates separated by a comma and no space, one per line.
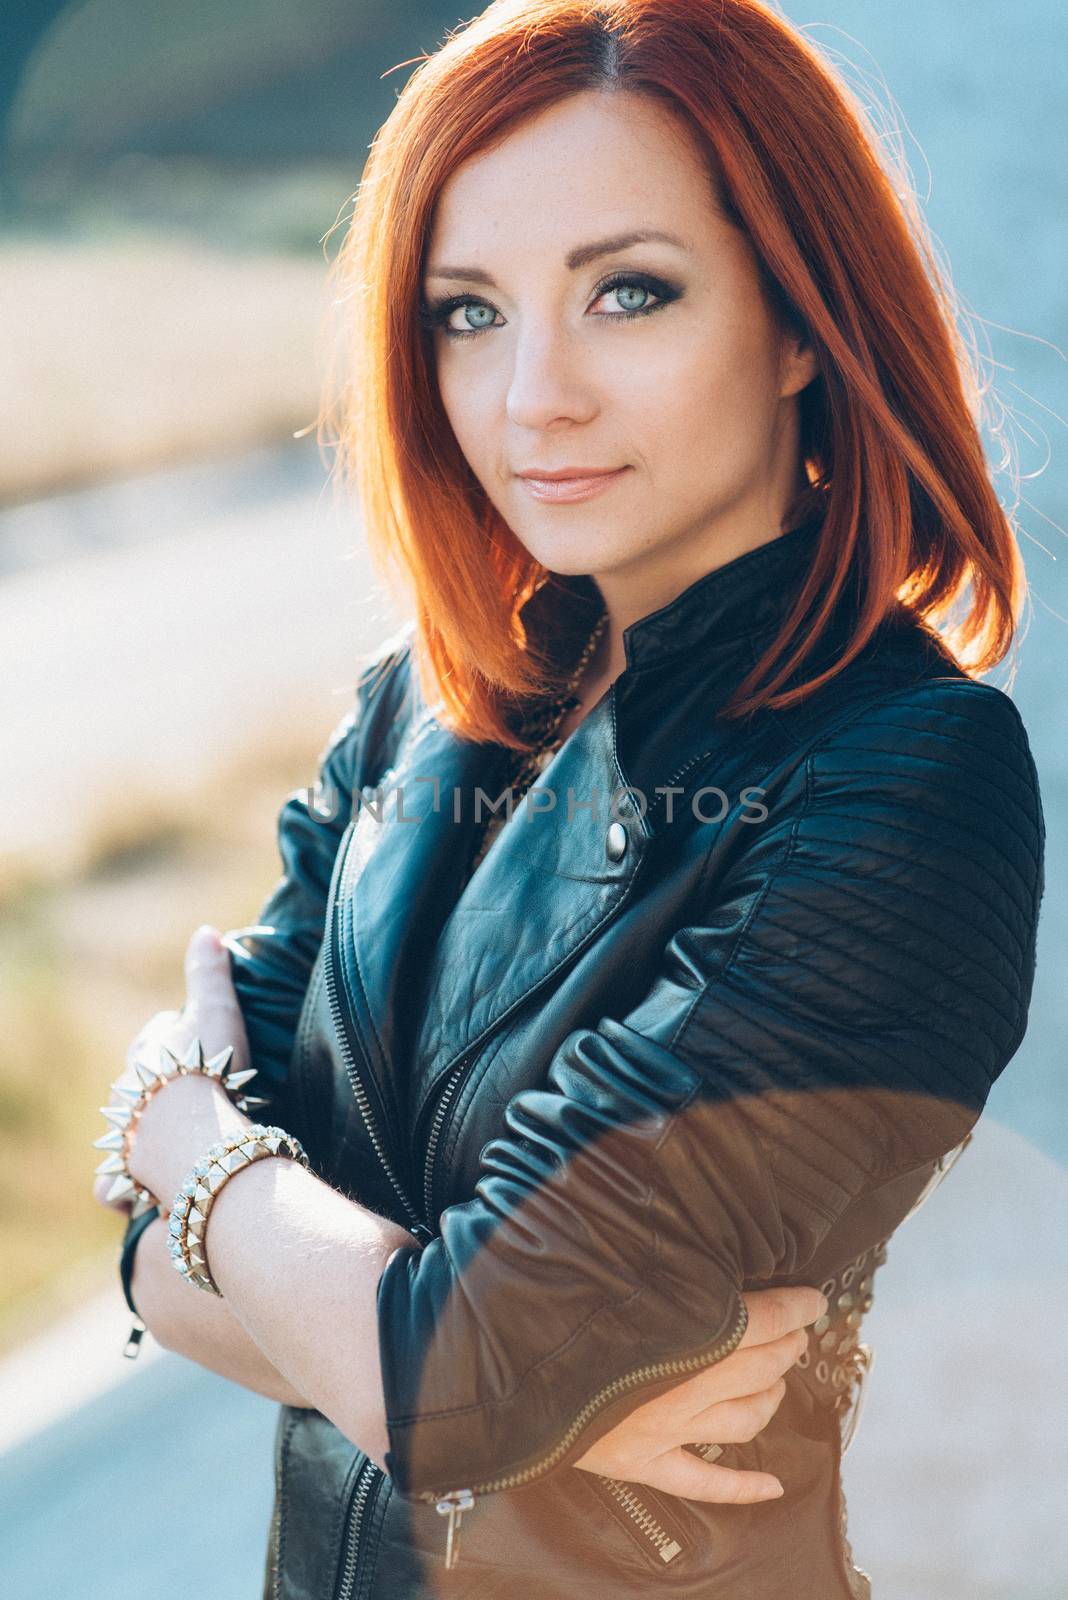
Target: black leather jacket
(628,1069)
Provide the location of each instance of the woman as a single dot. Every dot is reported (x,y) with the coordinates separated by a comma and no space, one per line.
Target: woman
(658,404)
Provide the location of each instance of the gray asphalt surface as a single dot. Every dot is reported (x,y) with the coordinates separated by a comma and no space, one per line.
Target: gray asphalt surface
(93,1506)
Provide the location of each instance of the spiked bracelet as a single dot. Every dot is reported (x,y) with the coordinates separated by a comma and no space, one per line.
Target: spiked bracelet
(123,1117)
(192,1206)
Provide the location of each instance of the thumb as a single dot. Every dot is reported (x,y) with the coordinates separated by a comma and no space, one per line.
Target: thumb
(207,965)
(211,1009)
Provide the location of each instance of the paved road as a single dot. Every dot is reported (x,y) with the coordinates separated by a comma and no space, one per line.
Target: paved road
(92,1505)
(154,628)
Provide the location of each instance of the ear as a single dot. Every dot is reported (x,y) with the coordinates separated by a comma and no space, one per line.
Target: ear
(797,362)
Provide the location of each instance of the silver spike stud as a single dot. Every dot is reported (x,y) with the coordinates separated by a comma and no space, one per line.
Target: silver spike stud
(193,1060)
(219,1065)
(119,1115)
(111,1164)
(251,1102)
(148,1078)
(236,1079)
(110,1141)
(169,1065)
(122,1186)
(127,1091)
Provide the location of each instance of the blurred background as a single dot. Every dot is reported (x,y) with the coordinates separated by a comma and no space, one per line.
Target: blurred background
(183,601)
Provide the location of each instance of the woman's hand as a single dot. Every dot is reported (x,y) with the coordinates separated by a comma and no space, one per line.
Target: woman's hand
(190,1112)
(725,1403)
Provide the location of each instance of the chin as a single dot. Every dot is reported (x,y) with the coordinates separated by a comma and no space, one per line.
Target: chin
(571,554)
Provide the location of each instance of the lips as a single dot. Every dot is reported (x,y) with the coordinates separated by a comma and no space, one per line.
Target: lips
(569,484)
(557,474)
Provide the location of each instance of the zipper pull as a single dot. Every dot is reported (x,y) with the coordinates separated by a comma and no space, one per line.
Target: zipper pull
(132,1348)
(453,1506)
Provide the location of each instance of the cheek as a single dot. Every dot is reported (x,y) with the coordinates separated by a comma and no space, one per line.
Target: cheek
(723,389)
(470,405)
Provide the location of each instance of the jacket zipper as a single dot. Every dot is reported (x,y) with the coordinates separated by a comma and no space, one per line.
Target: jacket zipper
(357,1506)
(281,1451)
(332,958)
(455,1502)
(453,1080)
(664,1545)
(441,1111)
(330,966)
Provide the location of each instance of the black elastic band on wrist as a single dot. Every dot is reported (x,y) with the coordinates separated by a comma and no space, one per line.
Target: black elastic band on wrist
(134,1231)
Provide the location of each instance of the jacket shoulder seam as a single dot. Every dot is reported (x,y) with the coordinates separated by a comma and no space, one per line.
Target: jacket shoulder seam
(916,691)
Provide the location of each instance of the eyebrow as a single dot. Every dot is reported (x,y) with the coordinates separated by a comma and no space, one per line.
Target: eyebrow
(579,257)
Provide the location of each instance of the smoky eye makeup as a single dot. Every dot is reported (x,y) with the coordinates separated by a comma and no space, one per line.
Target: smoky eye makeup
(434,313)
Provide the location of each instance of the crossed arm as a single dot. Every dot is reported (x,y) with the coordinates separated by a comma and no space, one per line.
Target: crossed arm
(838,1018)
(316,1262)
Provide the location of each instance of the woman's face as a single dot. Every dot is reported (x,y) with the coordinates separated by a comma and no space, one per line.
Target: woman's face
(660,358)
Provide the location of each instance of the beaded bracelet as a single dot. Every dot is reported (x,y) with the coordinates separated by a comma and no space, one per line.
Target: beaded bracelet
(195,1198)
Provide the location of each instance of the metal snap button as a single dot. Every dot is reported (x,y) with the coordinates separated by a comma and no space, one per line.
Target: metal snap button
(615,843)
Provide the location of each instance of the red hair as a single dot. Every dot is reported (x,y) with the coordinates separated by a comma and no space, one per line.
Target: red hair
(890,427)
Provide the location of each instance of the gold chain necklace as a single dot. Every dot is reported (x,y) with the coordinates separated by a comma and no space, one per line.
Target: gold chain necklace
(547,721)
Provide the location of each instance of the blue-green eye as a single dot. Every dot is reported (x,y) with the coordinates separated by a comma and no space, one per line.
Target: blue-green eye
(631,288)
(434,316)
(477,308)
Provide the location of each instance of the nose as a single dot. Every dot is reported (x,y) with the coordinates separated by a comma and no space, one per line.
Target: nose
(547,382)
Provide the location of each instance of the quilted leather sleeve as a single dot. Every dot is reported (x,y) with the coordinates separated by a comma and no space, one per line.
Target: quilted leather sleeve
(836,1017)
(271,959)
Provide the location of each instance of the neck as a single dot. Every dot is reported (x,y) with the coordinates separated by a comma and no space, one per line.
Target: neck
(654,579)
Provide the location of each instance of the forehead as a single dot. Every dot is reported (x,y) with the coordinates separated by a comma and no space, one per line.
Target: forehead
(595,163)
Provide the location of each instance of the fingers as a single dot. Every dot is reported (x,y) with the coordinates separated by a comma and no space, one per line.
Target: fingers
(210,1011)
(639,1447)
(773,1312)
(679,1472)
(738,1421)
(144,1046)
(208,980)
(743,1373)
(211,1007)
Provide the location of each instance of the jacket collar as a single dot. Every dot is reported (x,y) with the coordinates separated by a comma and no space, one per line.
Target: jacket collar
(716,614)
(745,596)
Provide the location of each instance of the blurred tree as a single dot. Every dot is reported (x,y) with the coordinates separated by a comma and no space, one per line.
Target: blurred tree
(23,24)
(251,81)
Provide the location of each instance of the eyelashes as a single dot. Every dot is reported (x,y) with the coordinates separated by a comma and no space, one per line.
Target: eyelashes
(434,315)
